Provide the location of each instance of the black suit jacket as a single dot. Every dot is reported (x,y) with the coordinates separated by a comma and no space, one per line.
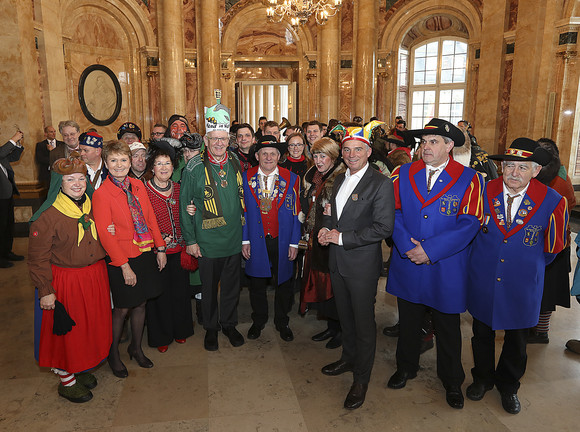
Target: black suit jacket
(368,217)
(42,158)
(8,153)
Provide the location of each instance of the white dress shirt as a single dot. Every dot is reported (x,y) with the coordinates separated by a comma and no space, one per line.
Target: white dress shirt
(438,171)
(91,172)
(344,193)
(515,203)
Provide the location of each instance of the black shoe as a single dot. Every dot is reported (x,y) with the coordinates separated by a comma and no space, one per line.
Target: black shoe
(392,331)
(426,345)
(335,342)
(210,342)
(477,390)
(285,333)
(255,331)
(140,358)
(119,373)
(356,396)
(537,337)
(235,337)
(322,336)
(337,368)
(510,403)
(13,257)
(454,397)
(4,263)
(399,379)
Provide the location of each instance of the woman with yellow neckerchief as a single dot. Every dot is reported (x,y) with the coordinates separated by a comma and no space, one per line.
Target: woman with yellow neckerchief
(66,265)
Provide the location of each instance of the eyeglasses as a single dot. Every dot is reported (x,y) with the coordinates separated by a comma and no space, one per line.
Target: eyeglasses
(158,133)
(295,145)
(162,164)
(219,139)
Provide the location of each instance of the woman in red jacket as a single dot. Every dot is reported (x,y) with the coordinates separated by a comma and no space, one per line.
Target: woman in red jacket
(133,266)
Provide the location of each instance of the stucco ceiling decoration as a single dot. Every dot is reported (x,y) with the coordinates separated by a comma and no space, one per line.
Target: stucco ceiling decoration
(435,26)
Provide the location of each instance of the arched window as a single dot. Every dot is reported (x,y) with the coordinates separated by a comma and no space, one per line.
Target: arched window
(437,81)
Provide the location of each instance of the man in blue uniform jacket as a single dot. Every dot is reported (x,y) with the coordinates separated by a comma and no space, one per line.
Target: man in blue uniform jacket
(438,213)
(271,234)
(524,228)
(361,217)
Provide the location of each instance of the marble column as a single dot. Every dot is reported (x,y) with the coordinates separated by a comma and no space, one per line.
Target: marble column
(365,59)
(52,61)
(208,53)
(171,58)
(491,66)
(329,68)
(533,67)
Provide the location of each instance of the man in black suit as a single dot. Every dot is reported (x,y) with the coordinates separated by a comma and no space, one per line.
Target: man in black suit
(42,154)
(9,152)
(360,217)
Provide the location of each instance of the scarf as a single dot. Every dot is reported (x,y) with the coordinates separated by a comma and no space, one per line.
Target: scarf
(141,237)
(213,216)
(68,208)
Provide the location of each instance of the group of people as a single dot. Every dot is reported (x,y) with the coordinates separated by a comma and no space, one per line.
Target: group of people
(181,217)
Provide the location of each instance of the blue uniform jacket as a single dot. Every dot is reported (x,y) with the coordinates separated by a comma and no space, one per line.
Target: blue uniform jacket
(506,267)
(289,226)
(445,222)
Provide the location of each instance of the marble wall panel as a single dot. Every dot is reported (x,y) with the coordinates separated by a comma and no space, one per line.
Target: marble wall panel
(266,39)
(189,23)
(345,98)
(513,15)
(264,73)
(346,31)
(154,88)
(153,15)
(191,100)
(97,31)
(119,65)
(505,106)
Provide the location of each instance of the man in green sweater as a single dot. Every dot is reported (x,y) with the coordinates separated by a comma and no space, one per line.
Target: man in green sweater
(213,180)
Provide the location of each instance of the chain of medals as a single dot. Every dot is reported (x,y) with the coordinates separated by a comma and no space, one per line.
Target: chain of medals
(223,175)
(266,196)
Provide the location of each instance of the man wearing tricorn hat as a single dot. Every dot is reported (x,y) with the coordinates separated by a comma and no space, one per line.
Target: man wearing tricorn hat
(438,213)
(271,234)
(524,227)
(213,181)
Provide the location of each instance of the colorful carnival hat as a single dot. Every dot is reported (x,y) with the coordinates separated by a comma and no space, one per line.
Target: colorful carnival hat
(217,117)
(525,149)
(70,165)
(91,139)
(441,127)
(129,127)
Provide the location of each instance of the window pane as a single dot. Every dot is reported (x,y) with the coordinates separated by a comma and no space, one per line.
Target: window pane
(447,62)
(430,97)
(432,48)
(457,96)
(458,75)
(460,47)
(419,78)
(428,110)
(448,47)
(417,123)
(460,61)
(444,110)
(420,64)
(445,96)
(431,64)
(417,110)
(447,76)
(430,77)
(418,97)
(420,52)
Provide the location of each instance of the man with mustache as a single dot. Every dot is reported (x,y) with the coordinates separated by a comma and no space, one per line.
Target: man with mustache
(438,212)
(524,227)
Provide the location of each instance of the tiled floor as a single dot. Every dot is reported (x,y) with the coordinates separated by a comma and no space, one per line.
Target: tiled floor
(271,385)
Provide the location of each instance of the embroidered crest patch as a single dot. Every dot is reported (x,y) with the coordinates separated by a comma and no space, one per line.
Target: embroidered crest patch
(531,234)
(448,205)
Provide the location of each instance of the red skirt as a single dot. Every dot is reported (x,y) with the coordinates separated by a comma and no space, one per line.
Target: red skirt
(84,292)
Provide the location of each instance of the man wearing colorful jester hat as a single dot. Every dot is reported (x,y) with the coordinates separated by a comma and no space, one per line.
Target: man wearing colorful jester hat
(438,213)
(524,227)
(213,181)
(66,263)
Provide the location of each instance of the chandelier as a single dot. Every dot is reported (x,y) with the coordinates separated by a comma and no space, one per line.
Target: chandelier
(298,11)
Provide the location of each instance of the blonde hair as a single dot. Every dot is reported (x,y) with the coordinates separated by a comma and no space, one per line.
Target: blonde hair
(328,146)
(116,146)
